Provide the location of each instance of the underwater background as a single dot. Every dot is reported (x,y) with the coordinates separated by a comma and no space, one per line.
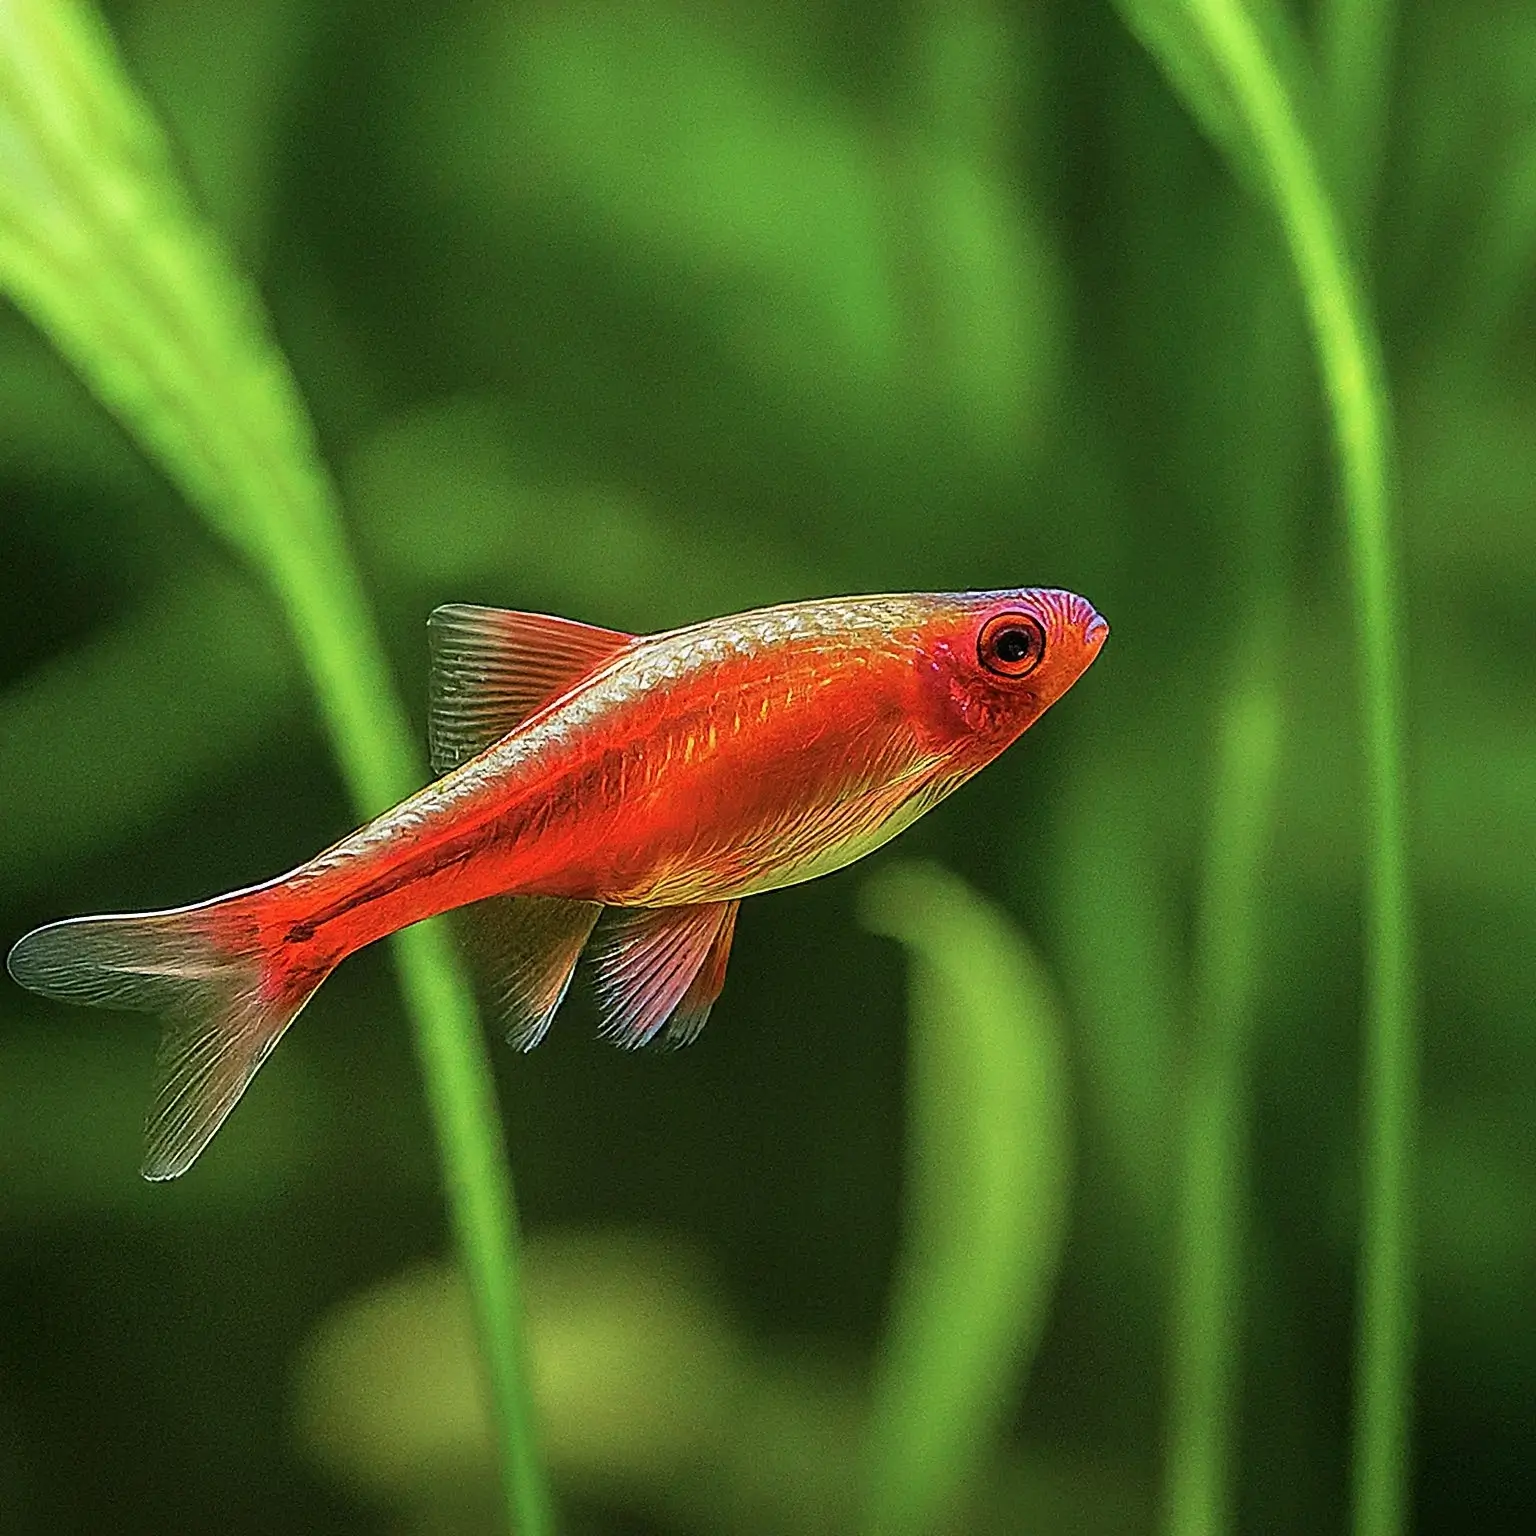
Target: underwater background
(645,313)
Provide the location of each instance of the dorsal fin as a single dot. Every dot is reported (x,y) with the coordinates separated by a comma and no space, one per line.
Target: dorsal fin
(492,668)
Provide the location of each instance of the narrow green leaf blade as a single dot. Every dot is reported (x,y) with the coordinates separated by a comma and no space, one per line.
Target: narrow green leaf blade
(1205,1332)
(100,245)
(1270,107)
(988,1171)
(1171,33)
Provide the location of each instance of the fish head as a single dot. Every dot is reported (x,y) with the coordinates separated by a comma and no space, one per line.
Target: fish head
(991,663)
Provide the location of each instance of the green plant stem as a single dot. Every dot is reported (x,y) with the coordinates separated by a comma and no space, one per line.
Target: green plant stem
(1357,400)
(100,246)
(1205,1321)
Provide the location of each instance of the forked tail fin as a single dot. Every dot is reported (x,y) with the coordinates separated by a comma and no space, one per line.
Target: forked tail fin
(206,971)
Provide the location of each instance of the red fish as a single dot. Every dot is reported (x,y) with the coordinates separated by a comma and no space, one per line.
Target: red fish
(665,776)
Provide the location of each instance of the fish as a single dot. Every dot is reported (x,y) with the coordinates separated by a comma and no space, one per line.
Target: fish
(655,782)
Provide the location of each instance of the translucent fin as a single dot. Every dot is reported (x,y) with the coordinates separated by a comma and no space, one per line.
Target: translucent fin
(527,947)
(648,960)
(492,668)
(692,1013)
(222,1016)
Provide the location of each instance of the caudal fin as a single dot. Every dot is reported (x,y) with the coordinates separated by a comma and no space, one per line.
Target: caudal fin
(204,972)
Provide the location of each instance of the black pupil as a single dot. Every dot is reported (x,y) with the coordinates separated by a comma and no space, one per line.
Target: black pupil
(1014,645)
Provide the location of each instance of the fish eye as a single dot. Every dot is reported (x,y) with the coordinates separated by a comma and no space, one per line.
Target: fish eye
(1011,644)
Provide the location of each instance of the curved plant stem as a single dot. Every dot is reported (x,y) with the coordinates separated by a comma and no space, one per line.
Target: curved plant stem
(1357,399)
(101,247)
(1205,1322)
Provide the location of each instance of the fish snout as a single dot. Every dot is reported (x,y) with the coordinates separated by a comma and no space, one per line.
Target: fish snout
(1089,624)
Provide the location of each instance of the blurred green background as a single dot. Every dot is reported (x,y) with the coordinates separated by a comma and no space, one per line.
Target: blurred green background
(645,313)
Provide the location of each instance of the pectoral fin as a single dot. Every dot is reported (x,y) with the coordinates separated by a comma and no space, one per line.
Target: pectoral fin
(661,966)
(492,668)
(526,948)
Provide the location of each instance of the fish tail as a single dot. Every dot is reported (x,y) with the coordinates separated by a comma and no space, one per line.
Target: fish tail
(225,992)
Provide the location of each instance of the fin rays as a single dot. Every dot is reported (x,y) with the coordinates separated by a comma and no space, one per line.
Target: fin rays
(222,1014)
(202,1068)
(656,968)
(205,971)
(656,964)
(692,1011)
(527,947)
(492,668)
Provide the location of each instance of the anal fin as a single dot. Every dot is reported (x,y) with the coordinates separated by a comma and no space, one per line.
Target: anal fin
(527,948)
(662,966)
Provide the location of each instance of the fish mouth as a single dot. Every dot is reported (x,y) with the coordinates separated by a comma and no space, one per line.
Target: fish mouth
(1095,632)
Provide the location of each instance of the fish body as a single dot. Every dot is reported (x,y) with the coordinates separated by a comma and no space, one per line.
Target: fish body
(667,777)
